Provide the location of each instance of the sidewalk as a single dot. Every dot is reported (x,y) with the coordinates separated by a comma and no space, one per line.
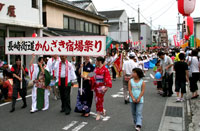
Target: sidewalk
(173,118)
(193,111)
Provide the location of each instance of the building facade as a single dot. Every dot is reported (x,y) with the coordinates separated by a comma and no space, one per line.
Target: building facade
(145,34)
(19,18)
(197,27)
(155,37)
(72,18)
(163,37)
(118,25)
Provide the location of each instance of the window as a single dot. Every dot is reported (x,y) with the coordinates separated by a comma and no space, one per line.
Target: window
(90,27)
(86,27)
(94,29)
(44,19)
(2,46)
(81,25)
(66,23)
(78,25)
(34,4)
(71,23)
(98,29)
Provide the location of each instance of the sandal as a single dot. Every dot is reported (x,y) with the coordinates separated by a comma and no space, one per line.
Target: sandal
(104,112)
(86,115)
(98,117)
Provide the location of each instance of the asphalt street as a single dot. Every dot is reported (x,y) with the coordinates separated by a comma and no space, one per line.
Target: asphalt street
(118,116)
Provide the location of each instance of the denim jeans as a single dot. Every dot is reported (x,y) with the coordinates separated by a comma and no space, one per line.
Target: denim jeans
(137,113)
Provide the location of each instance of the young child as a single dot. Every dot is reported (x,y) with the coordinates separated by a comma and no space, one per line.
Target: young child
(158,81)
(136,87)
(144,61)
(140,63)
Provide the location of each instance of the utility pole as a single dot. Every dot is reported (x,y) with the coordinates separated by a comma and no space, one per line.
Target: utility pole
(128,32)
(139,27)
(129,28)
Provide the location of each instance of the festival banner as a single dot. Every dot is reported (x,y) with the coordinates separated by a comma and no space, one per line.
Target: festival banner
(175,40)
(65,45)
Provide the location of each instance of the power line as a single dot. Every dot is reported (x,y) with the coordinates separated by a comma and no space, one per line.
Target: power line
(158,11)
(164,11)
(150,5)
(140,12)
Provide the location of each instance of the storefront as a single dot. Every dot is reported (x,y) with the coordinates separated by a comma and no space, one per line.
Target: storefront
(19,18)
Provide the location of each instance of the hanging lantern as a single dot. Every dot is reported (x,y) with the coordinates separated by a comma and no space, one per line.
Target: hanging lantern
(111,46)
(188,27)
(186,7)
(34,35)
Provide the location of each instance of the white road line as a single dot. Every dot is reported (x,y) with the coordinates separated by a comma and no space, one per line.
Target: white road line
(146,81)
(104,118)
(120,93)
(10,102)
(117,95)
(80,126)
(70,125)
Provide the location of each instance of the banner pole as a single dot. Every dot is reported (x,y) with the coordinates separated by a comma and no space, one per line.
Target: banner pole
(81,77)
(22,61)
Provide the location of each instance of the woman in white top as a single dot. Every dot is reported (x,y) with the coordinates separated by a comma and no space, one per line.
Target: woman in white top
(194,65)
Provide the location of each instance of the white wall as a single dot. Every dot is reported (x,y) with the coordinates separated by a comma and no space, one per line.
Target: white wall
(124,20)
(198,30)
(25,14)
(121,36)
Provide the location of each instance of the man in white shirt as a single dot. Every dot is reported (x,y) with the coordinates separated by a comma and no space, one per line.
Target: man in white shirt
(65,76)
(167,68)
(127,68)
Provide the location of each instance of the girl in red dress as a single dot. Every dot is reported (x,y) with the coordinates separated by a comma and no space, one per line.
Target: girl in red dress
(100,83)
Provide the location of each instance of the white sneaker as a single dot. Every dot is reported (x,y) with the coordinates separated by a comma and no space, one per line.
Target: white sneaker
(44,109)
(33,111)
(178,100)
(182,99)
(137,129)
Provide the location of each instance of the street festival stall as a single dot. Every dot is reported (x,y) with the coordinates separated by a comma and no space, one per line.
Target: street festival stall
(65,45)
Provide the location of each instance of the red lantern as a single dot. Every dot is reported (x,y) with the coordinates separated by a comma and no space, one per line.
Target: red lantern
(186,7)
(34,35)
(111,46)
(188,26)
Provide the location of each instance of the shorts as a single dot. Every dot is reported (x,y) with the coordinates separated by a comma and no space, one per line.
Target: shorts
(180,85)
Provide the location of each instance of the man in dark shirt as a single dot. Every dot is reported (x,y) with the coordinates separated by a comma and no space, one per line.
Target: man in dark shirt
(182,75)
(17,78)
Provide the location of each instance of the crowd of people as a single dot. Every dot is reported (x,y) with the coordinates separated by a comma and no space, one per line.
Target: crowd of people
(57,73)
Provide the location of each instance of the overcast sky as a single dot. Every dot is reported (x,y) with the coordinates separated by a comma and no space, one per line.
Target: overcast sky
(163,12)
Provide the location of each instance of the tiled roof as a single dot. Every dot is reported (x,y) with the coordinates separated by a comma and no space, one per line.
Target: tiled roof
(112,14)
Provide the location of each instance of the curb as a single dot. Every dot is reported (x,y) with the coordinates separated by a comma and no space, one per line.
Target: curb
(163,116)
